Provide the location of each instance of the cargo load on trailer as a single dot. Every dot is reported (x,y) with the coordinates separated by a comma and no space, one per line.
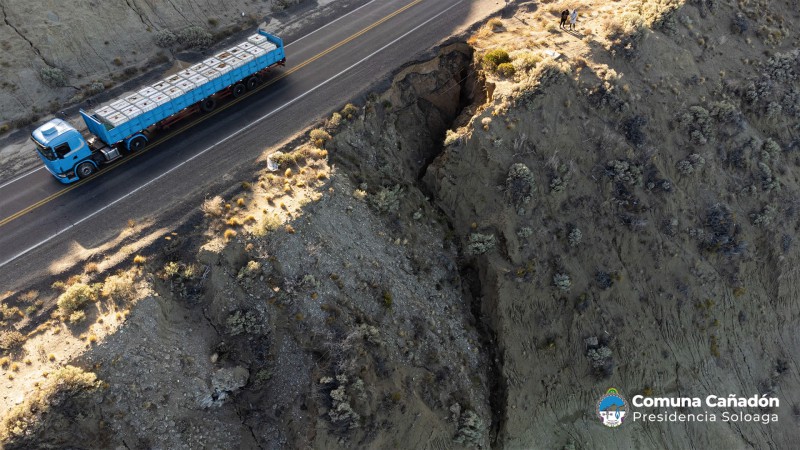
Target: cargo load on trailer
(126,124)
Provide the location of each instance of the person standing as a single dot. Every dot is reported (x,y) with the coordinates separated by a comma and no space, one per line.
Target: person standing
(573,18)
(564,16)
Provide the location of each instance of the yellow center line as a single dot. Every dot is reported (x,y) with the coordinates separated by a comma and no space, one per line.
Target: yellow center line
(209,115)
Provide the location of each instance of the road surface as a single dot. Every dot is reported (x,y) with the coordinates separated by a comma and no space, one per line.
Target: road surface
(44,224)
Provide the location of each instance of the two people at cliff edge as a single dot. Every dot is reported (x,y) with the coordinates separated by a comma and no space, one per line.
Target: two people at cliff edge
(573,17)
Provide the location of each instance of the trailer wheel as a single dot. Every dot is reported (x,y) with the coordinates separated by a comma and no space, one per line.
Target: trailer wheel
(136,144)
(238,89)
(253,82)
(84,169)
(208,104)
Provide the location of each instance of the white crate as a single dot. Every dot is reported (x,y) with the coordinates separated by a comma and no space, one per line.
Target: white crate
(116,119)
(173,80)
(131,112)
(133,98)
(104,111)
(223,67)
(159,98)
(174,92)
(257,39)
(148,91)
(186,74)
(257,51)
(210,73)
(199,79)
(161,86)
(145,105)
(246,57)
(234,62)
(245,46)
(119,105)
(185,85)
(269,46)
(211,62)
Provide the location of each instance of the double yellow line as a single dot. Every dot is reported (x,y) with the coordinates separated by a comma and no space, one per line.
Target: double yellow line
(153,145)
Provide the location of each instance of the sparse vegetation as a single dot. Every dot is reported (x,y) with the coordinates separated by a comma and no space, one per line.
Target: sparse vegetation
(165,38)
(480,243)
(194,37)
(493,58)
(61,386)
(53,77)
(75,297)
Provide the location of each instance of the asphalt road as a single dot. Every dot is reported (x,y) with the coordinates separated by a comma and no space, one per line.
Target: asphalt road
(43,222)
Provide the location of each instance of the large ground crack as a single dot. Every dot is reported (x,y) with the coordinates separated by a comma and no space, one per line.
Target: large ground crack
(138,13)
(20,34)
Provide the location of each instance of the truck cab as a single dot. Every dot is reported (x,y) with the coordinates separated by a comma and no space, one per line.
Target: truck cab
(64,151)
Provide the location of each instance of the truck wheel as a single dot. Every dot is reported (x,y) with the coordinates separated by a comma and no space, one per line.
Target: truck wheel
(238,89)
(136,144)
(252,83)
(208,104)
(84,169)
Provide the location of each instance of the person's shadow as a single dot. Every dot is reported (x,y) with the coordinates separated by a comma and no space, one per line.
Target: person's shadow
(575,33)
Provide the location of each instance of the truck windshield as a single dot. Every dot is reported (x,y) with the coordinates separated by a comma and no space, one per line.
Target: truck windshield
(47,152)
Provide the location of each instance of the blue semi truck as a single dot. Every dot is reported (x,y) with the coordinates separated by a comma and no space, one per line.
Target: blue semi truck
(126,124)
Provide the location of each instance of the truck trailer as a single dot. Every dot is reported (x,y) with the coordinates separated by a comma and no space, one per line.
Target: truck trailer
(126,124)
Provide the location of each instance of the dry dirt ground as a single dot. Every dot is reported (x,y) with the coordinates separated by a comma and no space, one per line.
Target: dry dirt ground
(470,259)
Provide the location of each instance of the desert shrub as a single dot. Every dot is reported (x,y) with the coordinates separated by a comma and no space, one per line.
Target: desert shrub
(53,77)
(724,112)
(214,206)
(335,120)
(575,237)
(633,129)
(506,69)
(765,217)
(773,110)
(451,138)
(524,233)
(494,58)
(349,111)
(195,37)
(75,297)
(94,88)
(601,360)
(694,163)
(282,159)
(387,200)
(319,137)
(526,60)
(520,185)
(721,232)
(76,317)
(165,38)
(11,340)
(480,243)
(739,24)
(268,223)
(791,103)
(557,184)
(562,281)
(27,418)
(471,430)
(244,322)
(495,24)
(625,172)
(118,287)
(697,121)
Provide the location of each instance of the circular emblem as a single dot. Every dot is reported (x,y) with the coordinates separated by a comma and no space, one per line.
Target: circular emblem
(611,408)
